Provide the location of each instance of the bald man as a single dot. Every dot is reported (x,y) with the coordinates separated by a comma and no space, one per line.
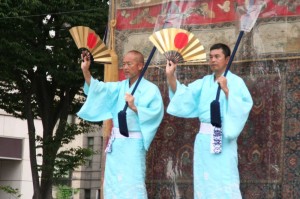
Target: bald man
(125,168)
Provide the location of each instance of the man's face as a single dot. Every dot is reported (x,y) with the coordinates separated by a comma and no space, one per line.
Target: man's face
(131,67)
(218,61)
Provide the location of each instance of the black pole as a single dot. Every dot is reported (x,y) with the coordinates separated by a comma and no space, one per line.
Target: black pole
(122,114)
(215,114)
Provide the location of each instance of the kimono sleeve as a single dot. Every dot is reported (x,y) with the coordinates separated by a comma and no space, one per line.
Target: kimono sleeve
(184,102)
(101,97)
(237,111)
(150,114)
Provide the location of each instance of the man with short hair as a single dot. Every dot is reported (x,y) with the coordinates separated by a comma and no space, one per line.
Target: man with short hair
(125,168)
(216,175)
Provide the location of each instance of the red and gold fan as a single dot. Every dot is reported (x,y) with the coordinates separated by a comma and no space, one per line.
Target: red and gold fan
(86,39)
(178,45)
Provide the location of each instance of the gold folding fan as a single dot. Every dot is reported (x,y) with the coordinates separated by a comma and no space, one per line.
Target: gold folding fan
(178,45)
(86,39)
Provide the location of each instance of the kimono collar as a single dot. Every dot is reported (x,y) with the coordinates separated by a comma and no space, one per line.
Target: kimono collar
(132,85)
(213,74)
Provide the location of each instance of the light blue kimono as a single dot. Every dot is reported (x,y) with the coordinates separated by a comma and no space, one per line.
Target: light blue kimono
(125,167)
(216,176)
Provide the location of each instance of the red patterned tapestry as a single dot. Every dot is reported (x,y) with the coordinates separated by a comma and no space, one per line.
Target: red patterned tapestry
(268,59)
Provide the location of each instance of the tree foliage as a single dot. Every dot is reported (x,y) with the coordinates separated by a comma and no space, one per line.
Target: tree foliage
(65,192)
(40,77)
(11,191)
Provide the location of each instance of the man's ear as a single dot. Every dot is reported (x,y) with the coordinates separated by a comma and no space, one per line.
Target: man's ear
(141,66)
(227,59)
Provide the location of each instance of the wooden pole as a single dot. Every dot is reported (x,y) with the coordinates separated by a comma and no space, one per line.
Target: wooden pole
(111,74)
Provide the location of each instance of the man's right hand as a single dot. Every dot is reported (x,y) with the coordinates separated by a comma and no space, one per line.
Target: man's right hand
(85,66)
(170,68)
(85,60)
(170,73)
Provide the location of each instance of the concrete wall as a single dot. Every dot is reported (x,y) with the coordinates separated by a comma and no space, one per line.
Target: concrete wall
(16,173)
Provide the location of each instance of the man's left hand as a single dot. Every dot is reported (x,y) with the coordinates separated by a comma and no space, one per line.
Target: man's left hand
(223,84)
(130,100)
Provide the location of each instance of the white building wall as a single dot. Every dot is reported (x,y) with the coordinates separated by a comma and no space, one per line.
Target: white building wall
(16,173)
(89,177)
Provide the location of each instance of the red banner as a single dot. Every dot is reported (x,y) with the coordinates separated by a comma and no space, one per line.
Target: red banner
(199,12)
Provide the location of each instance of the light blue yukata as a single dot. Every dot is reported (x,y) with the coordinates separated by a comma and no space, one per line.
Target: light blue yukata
(125,166)
(216,176)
